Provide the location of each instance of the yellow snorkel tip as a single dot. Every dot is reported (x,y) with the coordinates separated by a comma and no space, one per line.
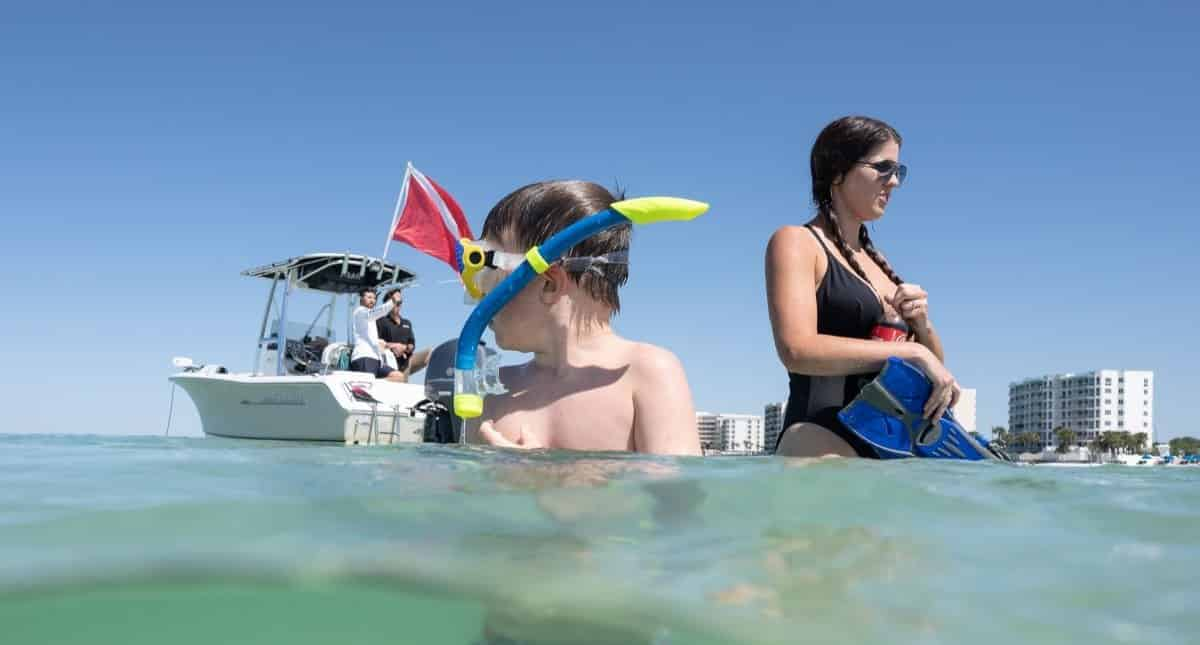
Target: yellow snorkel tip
(468,406)
(648,210)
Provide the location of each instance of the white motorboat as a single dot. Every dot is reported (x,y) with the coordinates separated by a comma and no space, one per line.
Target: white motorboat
(301,387)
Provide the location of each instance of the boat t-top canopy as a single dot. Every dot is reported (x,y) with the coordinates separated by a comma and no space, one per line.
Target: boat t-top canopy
(336,273)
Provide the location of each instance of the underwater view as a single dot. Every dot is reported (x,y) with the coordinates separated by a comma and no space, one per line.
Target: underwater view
(203,540)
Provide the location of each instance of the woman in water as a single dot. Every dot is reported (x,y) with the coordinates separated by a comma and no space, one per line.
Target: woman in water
(828,287)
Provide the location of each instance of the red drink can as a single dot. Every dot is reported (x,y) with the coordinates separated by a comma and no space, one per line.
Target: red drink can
(890,330)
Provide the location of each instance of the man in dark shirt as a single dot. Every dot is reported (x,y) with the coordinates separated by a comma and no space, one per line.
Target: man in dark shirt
(397,332)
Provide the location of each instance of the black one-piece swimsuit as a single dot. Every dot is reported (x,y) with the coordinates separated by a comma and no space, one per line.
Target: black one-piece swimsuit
(846,307)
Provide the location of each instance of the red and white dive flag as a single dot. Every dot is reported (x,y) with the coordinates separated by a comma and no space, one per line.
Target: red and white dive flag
(428,219)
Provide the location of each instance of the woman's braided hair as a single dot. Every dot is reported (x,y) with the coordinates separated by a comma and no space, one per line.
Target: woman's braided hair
(839,146)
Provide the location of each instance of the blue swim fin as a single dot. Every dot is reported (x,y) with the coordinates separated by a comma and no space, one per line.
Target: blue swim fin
(887,415)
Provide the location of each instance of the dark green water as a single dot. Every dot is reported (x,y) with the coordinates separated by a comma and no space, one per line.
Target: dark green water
(152,540)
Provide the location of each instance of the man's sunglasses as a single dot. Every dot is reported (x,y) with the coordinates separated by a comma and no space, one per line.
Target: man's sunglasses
(887,168)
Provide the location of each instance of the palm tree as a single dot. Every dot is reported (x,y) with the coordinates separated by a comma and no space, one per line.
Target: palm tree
(1000,437)
(1124,441)
(1064,437)
(1139,442)
(1112,442)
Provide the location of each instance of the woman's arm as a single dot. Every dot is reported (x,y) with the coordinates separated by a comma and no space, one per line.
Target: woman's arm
(928,337)
(791,271)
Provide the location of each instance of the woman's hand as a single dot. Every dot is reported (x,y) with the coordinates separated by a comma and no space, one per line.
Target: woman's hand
(525,440)
(912,303)
(945,389)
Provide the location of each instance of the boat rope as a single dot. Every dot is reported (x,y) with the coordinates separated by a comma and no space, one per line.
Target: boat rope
(171,409)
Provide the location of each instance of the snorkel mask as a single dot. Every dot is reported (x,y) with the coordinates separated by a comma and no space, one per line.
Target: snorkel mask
(479,263)
(482,265)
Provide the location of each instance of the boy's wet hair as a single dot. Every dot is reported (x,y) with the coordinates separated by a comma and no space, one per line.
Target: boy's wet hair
(533,213)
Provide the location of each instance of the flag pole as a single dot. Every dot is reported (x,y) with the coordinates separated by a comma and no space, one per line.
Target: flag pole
(399,205)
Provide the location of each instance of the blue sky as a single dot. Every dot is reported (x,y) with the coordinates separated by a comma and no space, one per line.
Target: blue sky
(148,154)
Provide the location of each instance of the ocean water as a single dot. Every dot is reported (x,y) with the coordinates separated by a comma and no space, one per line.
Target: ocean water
(201,540)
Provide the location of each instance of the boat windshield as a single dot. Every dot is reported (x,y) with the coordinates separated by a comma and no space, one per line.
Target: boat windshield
(298,330)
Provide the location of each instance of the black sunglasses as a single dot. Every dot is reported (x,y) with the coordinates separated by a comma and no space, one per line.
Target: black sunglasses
(887,168)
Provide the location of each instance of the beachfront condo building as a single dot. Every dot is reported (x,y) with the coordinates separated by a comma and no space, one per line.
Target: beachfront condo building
(1089,404)
(742,433)
(710,431)
(772,425)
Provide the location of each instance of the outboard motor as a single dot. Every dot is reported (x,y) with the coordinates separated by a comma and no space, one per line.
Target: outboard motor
(441,426)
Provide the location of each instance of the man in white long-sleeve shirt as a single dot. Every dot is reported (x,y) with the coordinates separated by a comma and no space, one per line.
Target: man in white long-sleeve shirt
(368,350)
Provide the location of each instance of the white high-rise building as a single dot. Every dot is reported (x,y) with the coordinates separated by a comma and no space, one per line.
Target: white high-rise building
(964,410)
(709,430)
(772,425)
(1089,404)
(730,432)
(741,433)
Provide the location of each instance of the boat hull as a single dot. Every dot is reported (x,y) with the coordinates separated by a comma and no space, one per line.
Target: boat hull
(306,408)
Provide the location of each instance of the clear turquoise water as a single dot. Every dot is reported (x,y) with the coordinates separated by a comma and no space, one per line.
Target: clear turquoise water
(190,540)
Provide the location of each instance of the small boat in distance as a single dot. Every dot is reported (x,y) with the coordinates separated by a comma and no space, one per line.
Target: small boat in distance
(301,387)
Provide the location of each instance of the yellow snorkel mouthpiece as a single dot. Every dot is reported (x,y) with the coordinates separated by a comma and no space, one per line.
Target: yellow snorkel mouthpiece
(472,259)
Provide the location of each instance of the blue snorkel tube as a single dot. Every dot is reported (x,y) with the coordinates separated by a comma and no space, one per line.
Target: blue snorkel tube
(471,384)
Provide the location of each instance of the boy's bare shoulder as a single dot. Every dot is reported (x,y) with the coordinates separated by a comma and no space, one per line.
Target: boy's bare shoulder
(647,360)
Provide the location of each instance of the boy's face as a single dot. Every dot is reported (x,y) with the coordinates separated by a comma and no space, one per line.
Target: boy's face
(519,326)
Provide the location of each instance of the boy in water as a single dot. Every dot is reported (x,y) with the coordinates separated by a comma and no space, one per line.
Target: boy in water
(586,388)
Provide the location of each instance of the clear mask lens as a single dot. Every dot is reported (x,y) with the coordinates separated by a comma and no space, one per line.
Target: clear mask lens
(486,267)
